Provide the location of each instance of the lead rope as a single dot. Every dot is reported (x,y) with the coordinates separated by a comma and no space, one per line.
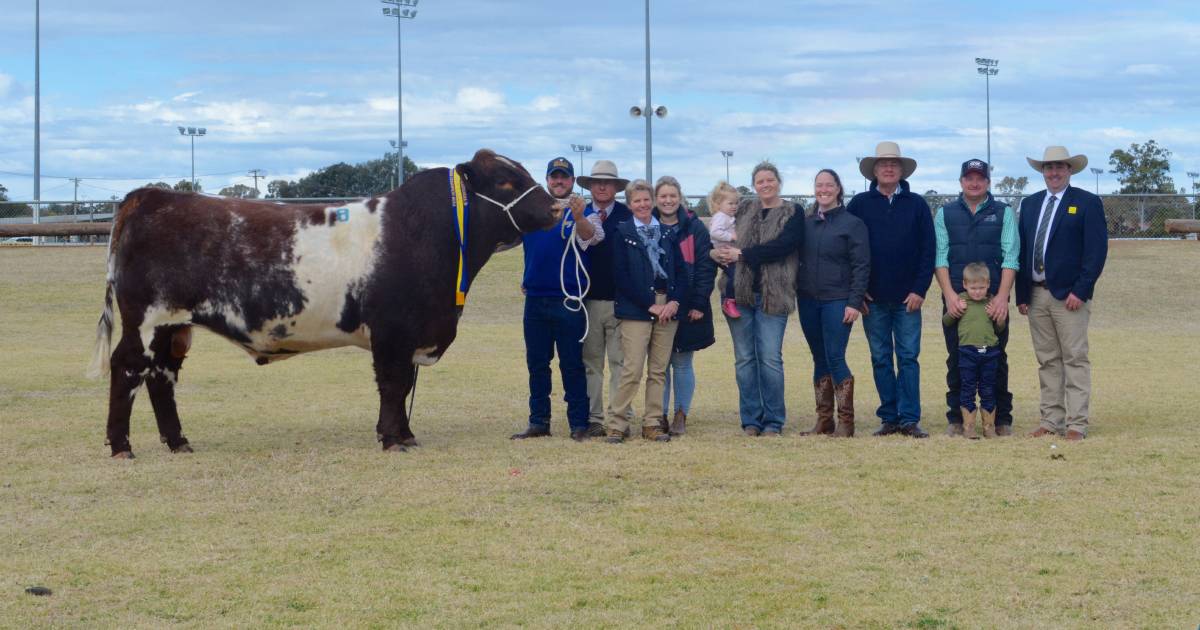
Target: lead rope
(574,303)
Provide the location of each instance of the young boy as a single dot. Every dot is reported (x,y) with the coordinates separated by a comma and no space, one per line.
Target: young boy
(722,202)
(978,350)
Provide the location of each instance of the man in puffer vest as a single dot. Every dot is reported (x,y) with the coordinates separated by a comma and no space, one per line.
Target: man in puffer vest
(976,228)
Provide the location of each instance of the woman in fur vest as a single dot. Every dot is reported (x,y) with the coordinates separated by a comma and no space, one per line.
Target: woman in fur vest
(765,295)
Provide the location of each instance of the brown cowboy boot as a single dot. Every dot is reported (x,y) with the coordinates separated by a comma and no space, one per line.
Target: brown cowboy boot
(989,422)
(823,389)
(844,394)
(678,424)
(654,431)
(968,423)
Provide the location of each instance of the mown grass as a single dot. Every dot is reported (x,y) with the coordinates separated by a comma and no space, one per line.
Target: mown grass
(288,515)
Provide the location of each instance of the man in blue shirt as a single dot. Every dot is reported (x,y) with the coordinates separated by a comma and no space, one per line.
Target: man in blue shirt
(976,228)
(552,319)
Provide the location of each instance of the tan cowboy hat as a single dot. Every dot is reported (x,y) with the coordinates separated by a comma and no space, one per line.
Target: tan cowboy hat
(602,170)
(1059,154)
(866,166)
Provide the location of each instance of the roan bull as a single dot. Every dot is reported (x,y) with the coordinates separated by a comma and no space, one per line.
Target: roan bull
(282,279)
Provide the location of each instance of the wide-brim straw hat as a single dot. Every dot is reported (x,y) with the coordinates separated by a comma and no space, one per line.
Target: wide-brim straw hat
(602,170)
(1059,154)
(866,166)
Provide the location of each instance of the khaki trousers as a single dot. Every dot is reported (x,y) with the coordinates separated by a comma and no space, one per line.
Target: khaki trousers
(644,344)
(1061,345)
(604,337)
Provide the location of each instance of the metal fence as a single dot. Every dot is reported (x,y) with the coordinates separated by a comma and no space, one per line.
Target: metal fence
(1129,216)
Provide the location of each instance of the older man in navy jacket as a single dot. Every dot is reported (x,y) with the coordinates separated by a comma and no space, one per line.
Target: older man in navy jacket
(1064,242)
(900,226)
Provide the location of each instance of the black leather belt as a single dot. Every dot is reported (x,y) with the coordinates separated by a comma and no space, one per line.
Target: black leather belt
(1040,284)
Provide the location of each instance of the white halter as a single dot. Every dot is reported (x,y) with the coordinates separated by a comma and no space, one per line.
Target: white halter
(507,209)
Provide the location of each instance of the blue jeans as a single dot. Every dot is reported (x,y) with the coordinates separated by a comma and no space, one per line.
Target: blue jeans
(1004,398)
(548,324)
(977,371)
(758,364)
(827,337)
(684,380)
(892,329)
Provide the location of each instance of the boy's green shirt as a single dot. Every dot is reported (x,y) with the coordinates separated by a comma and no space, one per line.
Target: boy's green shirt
(975,328)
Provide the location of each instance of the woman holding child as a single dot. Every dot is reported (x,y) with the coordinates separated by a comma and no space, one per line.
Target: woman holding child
(765,292)
(690,240)
(651,284)
(831,288)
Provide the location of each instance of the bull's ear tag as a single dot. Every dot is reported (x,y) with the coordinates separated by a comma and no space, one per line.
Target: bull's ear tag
(343,215)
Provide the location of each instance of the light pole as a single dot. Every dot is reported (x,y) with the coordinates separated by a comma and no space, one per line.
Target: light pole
(649,111)
(403,145)
(987,67)
(192,132)
(867,184)
(400,15)
(37,111)
(727,155)
(1096,172)
(581,149)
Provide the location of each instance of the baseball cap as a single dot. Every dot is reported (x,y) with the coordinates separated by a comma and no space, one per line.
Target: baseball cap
(560,164)
(975,166)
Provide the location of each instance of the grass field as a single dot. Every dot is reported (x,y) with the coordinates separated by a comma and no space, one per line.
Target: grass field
(289,515)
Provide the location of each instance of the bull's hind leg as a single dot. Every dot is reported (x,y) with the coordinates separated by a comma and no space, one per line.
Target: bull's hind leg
(394,375)
(129,363)
(168,349)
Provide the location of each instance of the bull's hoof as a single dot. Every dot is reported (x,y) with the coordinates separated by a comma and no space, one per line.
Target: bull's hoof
(395,448)
(411,441)
(183,448)
(123,455)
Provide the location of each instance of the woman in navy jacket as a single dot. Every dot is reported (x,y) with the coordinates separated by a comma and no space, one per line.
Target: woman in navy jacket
(651,282)
(692,243)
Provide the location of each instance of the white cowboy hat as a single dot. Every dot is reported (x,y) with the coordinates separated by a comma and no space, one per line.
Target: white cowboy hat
(602,170)
(1059,154)
(866,166)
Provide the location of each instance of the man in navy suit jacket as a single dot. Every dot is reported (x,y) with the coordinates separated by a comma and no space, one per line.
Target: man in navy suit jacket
(1064,242)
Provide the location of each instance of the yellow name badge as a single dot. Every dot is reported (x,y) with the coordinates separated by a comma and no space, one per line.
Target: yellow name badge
(1072,210)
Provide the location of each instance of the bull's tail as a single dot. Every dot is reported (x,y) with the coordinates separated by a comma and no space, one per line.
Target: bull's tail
(100,358)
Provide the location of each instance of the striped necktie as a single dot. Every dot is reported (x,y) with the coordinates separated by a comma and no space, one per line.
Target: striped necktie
(1039,242)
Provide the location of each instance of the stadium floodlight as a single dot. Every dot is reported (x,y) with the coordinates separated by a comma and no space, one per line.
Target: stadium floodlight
(581,149)
(1096,172)
(192,132)
(727,155)
(400,15)
(987,67)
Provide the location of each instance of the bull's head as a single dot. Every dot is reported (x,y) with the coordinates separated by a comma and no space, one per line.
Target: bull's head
(506,184)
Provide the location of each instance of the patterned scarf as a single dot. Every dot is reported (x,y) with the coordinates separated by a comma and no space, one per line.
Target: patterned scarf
(649,235)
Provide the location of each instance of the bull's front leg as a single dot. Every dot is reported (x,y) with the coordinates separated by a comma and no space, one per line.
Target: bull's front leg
(394,375)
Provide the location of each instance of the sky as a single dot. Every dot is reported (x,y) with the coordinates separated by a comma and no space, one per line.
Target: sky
(290,87)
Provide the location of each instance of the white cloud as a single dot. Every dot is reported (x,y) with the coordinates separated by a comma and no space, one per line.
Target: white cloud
(6,84)
(474,99)
(1147,70)
(546,103)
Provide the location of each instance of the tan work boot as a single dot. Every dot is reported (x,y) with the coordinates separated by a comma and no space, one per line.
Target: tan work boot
(989,422)
(844,395)
(678,423)
(968,423)
(654,431)
(823,389)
